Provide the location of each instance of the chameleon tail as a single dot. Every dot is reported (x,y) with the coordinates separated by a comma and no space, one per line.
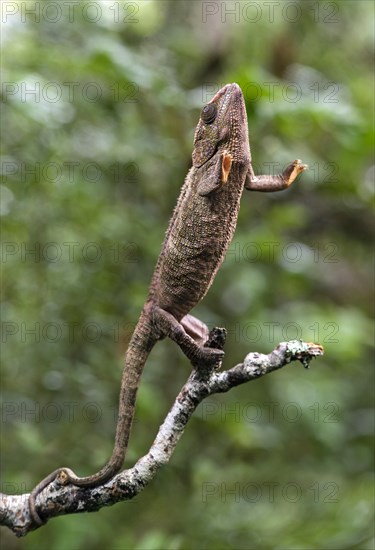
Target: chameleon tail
(138,350)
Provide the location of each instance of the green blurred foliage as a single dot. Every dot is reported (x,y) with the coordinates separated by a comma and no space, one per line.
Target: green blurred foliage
(285,462)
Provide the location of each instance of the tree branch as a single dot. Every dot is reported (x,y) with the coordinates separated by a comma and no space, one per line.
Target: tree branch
(57,499)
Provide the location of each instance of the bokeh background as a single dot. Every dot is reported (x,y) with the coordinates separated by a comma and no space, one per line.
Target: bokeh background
(99,105)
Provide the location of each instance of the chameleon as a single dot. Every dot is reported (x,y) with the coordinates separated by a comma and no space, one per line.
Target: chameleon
(198,236)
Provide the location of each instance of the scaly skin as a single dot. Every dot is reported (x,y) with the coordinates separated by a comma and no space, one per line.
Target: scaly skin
(198,236)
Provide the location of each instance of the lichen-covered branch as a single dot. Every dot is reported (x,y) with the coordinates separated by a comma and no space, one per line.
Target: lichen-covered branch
(58,499)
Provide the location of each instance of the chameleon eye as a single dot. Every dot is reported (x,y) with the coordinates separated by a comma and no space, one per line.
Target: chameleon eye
(208,113)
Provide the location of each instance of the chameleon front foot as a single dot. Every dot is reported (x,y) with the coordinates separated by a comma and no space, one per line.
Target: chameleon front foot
(293,170)
(271,183)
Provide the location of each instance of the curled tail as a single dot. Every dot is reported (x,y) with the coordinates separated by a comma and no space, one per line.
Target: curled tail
(140,345)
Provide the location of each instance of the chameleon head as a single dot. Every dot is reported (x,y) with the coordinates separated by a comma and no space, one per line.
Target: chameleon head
(222,126)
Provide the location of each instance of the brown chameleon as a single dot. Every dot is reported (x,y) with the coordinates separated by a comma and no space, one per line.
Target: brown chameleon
(198,236)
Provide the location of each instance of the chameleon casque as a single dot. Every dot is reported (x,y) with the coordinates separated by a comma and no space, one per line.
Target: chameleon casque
(198,236)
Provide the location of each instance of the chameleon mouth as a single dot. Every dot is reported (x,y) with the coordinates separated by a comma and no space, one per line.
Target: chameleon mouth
(221,92)
(228,89)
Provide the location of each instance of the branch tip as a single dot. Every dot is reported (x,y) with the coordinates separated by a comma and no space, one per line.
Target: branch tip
(302,351)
